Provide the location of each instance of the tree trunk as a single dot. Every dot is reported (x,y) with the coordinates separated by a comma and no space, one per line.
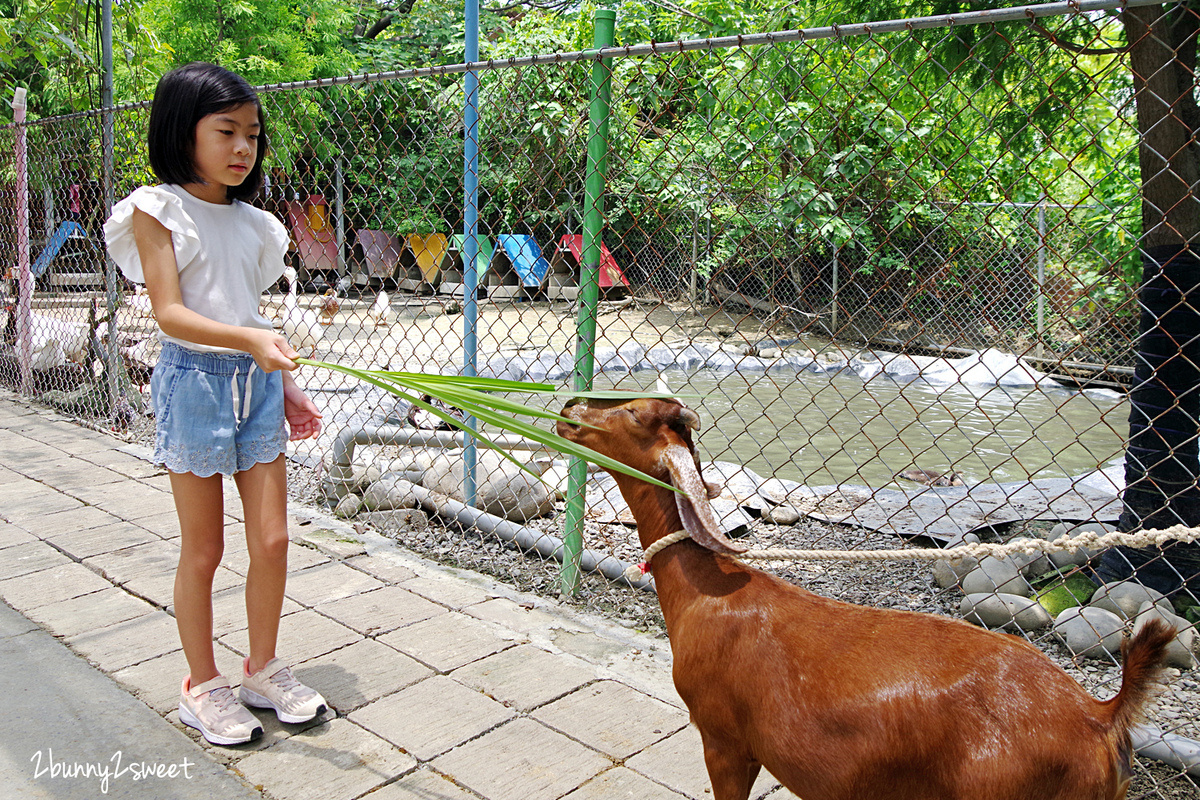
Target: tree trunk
(1162,462)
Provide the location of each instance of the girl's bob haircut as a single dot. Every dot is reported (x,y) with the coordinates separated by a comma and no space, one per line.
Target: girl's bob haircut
(183,97)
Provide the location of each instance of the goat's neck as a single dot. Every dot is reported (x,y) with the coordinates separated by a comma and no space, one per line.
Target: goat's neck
(683,572)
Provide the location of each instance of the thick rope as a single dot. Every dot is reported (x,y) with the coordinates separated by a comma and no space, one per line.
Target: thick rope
(1091,540)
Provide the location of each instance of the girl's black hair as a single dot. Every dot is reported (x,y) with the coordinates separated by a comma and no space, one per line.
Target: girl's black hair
(183,97)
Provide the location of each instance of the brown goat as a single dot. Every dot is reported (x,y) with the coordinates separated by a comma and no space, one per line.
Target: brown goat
(845,702)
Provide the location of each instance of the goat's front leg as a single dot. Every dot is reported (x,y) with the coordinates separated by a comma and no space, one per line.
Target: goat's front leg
(731,770)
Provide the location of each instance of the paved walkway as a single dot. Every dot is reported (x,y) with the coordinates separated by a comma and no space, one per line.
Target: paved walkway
(443,683)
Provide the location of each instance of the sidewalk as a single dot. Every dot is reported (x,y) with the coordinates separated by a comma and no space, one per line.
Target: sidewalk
(444,684)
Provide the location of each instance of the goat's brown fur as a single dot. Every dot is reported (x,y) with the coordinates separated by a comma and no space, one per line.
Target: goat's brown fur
(845,702)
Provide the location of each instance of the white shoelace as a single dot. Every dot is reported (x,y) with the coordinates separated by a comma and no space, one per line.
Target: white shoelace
(285,680)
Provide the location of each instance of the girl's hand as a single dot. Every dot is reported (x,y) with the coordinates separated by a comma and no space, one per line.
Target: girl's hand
(303,417)
(270,350)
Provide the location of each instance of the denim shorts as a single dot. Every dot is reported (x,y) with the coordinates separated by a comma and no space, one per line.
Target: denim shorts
(215,412)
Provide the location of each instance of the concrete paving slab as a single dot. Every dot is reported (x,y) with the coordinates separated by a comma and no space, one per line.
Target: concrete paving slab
(11,534)
(303,635)
(515,616)
(91,612)
(381,610)
(35,556)
(385,566)
(447,592)
(522,760)
(164,524)
(360,673)
(525,677)
(619,783)
(325,583)
(422,784)
(432,716)
(28,509)
(337,761)
(70,733)
(155,557)
(83,544)
(613,718)
(127,643)
(80,519)
(53,585)
(449,641)
(130,500)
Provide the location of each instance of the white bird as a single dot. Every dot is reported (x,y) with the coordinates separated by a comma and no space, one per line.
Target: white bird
(301,326)
(140,301)
(381,311)
(52,341)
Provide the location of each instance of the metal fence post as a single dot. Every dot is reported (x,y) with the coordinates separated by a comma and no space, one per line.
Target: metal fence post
(24,276)
(470,250)
(589,282)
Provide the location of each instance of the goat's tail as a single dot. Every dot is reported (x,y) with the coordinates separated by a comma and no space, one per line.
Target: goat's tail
(1143,656)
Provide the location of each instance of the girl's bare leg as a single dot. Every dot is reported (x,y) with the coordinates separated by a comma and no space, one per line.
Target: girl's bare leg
(199,504)
(263,489)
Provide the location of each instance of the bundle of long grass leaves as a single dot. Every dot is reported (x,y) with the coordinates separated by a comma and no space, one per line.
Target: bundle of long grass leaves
(488,400)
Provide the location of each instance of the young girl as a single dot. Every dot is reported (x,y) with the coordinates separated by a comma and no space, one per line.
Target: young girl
(222,387)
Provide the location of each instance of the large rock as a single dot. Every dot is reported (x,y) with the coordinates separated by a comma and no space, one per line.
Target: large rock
(1080,557)
(390,492)
(1090,632)
(1125,598)
(501,487)
(1181,651)
(996,575)
(1008,612)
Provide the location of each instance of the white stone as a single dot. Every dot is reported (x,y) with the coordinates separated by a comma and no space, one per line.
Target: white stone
(781,515)
(501,487)
(996,575)
(1181,651)
(949,572)
(348,506)
(1080,557)
(1090,632)
(1008,612)
(1124,598)
(390,492)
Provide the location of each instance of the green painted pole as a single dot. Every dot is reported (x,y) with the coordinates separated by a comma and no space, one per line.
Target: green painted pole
(589,282)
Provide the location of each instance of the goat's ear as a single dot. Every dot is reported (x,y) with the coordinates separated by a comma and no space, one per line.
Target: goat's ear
(698,517)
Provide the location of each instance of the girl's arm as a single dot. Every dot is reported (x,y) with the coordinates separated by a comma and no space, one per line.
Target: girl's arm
(157,254)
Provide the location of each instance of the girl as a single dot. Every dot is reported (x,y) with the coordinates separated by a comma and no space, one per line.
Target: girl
(222,387)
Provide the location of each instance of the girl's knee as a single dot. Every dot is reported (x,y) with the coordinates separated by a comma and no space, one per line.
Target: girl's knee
(269,546)
(201,560)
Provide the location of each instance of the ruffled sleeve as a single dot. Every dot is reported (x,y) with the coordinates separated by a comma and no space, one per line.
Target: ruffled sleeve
(276,242)
(165,207)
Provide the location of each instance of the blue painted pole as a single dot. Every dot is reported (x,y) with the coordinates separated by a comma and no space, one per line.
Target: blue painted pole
(470,251)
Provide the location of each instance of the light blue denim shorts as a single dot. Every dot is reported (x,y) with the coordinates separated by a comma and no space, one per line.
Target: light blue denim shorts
(215,412)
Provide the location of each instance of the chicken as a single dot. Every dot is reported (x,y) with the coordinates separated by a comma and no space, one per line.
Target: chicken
(329,306)
(140,301)
(381,310)
(301,326)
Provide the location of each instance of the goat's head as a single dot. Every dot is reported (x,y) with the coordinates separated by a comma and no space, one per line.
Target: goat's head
(653,436)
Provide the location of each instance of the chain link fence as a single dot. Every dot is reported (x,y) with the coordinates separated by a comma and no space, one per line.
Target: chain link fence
(894,267)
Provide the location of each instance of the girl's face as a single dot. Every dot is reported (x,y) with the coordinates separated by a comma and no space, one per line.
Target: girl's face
(226,147)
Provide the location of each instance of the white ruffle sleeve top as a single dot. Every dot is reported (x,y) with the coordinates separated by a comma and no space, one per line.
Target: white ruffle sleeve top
(227,254)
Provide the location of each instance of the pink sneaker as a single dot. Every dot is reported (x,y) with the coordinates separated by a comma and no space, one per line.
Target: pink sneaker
(275,687)
(212,709)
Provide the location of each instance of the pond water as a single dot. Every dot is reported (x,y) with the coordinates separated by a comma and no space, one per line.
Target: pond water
(825,429)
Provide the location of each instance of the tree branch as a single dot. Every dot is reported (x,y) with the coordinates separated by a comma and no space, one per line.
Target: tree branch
(1072,47)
